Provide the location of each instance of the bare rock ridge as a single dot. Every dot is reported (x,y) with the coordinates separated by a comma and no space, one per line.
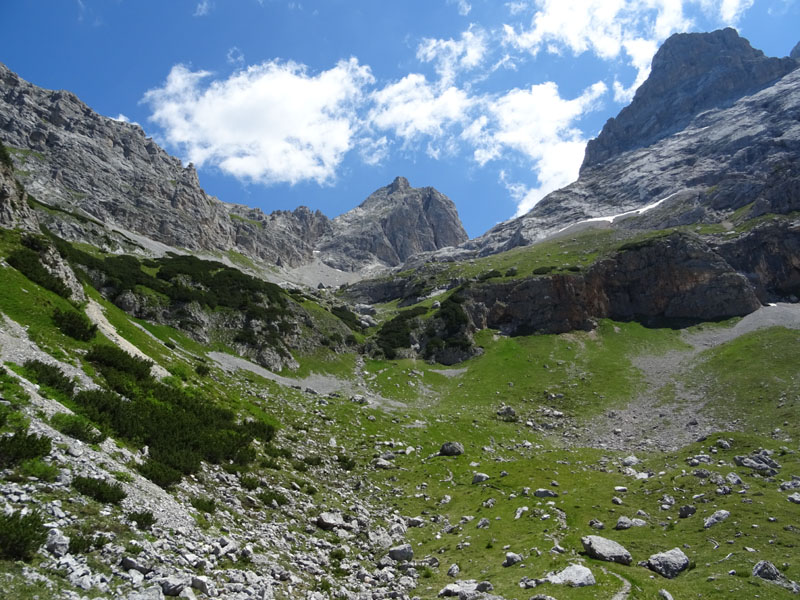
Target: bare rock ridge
(745,151)
(691,72)
(393,224)
(100,169)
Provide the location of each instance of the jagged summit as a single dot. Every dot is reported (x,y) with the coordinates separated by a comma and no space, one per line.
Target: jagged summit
(795,53)
(392,224)
(691,72)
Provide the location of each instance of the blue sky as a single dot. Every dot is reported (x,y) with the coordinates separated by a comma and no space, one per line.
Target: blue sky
(282,103)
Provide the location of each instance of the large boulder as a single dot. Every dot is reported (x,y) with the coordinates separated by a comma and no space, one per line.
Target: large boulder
(668,564)
(604,549)
(402,553)
(574,576)
(451,449)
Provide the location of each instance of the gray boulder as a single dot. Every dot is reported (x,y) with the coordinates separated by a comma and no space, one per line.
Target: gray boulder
(512,558)
(717,517)
(330,520)
(451,449)
(604,549)
(480,478)
(795,498)
(57,543)
(401,553)
(573,576)
(668,564)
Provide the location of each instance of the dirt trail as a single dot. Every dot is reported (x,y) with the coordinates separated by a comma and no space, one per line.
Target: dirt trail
(667,415)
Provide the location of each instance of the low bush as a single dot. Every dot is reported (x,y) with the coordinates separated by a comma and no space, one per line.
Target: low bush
(268,496)
(162,475)
(204,504)
(81,542)
(112,357)
(396,333)
(49,375)
(77,427)
(21,446)
(346,462)
(313,460)
(144,519)
(74,324)
(21,535)
(36,467)
(249,482)
(100,490)
(347,316)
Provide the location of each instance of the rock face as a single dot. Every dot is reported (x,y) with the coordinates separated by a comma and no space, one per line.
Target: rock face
(109,172)
(674,278)
(691,72)
(14,211)
(393,224)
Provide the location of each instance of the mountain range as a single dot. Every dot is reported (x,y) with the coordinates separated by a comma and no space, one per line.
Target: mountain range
(198,399)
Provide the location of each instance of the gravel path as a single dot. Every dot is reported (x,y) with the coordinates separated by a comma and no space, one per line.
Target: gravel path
(317,383)
(667,415)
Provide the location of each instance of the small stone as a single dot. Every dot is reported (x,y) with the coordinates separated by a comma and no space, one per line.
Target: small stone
(512,558)
(479,478)
(451,449)
(717,517)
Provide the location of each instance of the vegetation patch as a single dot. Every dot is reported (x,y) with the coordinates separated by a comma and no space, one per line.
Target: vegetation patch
(21,446)
(21,535)
(74,324)
(100,490)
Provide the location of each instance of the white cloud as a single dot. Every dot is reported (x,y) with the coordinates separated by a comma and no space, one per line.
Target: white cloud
(373,151)
(269,123)
(234,56)
(464,7)
(539,124)
(413,108)
(454,56)
(203,8)
(516,8)
(732,10)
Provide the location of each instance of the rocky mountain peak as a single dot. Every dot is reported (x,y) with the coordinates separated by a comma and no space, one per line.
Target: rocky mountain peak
(691,72)
(399,184)
(795,53)
(392,224)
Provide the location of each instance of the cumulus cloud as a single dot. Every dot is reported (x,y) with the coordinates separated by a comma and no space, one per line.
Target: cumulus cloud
(413,108)
(454,56)
(540,125)
(269,123)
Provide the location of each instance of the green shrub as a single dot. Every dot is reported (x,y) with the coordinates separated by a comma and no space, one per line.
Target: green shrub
(50,376)
(162,475)
(543,270)
(36,467)
(144,519)
(5,157)
(269,495)
(81,543)
(338,554)
(396,333)
(313,460)
(202,369)
(100,490)
(299,466)
(249,482)
(512,271)
(347,316)
(74,324)
(21,446)
(27,262)
(489,275)
(346,462)
(204,504)
(21,535)
(77,427)
(112,357)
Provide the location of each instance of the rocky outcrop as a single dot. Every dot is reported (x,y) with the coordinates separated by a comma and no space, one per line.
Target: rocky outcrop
(769,256)
(14,211)
(691,72)
(391,225)
(675,279)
